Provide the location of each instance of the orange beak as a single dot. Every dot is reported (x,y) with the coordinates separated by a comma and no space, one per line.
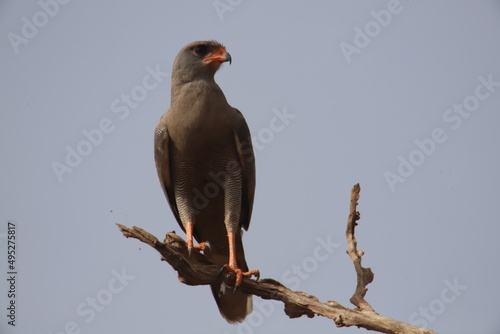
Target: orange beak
(220,55)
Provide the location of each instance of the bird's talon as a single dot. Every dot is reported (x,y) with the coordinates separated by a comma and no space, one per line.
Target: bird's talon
(207,247)
(204,246)
(222,269)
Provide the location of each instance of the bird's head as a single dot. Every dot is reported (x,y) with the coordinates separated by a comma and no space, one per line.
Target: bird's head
(199,59)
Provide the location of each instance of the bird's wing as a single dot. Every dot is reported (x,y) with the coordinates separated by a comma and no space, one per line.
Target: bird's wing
(163,165)
(246,157)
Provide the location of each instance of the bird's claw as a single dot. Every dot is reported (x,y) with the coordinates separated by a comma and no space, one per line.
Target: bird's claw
(221,270)
(250,273)
(207,247)
(203,246)
(240,274)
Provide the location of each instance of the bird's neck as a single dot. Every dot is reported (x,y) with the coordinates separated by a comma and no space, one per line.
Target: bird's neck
(188,95)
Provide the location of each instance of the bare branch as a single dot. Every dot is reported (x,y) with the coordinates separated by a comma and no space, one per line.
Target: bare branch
(198,270)
(364,275)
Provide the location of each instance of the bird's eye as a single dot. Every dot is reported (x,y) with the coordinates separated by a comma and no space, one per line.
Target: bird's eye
(200,50)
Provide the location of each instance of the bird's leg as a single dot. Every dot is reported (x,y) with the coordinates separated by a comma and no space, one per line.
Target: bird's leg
(202,246)
(233,265)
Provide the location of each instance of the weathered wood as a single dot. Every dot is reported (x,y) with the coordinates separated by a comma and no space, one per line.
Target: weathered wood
(198,270)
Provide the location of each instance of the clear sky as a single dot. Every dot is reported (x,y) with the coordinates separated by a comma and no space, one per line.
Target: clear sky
(401,96)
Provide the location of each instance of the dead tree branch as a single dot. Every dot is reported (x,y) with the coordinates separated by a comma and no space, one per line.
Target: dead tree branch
(198,270)
(364,275)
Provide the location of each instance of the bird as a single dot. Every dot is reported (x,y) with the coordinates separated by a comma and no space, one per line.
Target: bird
(206,167)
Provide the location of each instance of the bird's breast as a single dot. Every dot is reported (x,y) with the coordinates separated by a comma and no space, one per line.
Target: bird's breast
(201,135)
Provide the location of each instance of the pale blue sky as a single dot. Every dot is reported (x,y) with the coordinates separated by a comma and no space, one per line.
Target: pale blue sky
(401,96)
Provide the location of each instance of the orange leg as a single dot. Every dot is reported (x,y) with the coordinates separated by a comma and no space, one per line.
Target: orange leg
(202,246)
(233,265)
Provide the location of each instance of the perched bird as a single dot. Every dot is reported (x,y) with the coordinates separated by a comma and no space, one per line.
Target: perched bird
(206,166)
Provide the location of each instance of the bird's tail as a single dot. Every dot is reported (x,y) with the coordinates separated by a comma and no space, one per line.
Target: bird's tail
(234,305)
